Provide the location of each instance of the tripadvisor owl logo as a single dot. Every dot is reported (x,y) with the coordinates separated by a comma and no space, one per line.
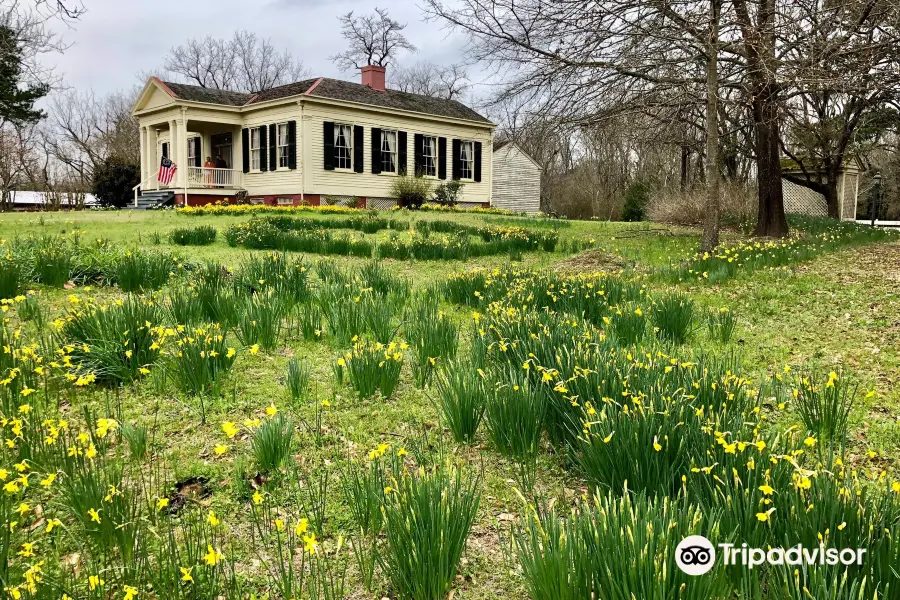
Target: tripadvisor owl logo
(695,555)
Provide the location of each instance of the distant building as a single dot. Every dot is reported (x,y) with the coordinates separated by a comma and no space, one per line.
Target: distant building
(517,179)
(21,201)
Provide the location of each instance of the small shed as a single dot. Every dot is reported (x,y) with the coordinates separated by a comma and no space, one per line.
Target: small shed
(517,179)
(801,200)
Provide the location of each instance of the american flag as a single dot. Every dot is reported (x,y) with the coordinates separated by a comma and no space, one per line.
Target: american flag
(166,171)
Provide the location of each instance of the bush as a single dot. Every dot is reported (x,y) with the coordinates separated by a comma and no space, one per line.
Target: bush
(114,181)
(637,198)
(447,194)
(688,207)
(411,192)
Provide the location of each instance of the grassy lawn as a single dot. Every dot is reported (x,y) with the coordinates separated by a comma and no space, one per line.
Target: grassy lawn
(838,312)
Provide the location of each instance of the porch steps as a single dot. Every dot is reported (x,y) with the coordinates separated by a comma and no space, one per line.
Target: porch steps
(153,200)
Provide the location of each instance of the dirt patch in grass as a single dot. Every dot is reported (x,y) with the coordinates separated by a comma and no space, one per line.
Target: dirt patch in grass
(192,489)
(594,260)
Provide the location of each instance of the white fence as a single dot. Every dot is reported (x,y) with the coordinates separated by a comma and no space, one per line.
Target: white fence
(203,177)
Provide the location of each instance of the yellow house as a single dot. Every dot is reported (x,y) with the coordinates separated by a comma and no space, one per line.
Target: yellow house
(315,141)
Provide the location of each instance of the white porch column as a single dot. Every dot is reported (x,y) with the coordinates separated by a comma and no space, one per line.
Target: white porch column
(182,172)
(144,154)
(237,154)
(152,156)
(173,142)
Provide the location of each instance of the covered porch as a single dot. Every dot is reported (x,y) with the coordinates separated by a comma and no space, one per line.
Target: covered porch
(204,147)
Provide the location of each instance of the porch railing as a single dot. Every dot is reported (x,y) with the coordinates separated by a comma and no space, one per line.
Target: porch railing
(204,177)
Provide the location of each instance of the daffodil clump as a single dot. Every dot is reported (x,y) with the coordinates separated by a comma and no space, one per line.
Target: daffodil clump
(812,237)
(263,234)
(197,359)
(373,366)
(226,209)
(57,260)
(116,342)
(653,425)
(203,235)
(433,338)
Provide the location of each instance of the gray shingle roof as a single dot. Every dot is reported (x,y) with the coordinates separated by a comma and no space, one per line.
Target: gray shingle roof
(334,89)
(195,93)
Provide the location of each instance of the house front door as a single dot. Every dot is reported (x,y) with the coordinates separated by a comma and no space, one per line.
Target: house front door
(162,151)
(223,149)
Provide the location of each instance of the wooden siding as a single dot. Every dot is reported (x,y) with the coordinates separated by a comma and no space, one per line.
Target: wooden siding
(367,184)
(282,181)
(157,99)
(310,176)
(517,181)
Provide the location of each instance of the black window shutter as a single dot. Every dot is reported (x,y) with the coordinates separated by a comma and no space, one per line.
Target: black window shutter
(245,146)
(198,152)
(165,149)
(273,147)
(419,152)
(477,161)
(328,144)
(401,153)
(292,144)
(376,150)
(359,155)
(263,148)
(442,158)
(457,163)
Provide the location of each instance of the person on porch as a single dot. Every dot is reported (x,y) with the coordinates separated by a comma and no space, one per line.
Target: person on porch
(220,162)
(208,167)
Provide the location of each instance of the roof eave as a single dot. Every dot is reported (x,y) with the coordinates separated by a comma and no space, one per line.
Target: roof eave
(385,109)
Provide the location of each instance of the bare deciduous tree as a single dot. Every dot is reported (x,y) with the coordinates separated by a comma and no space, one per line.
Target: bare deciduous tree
(83,131)
(373,39)
(429,79)
(849,88)
(244,62)
(587,63)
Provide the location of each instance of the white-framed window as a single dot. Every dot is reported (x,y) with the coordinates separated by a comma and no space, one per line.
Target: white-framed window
(284,201)
(467,160)
(254,149)
(343,146)
(283,143)
(193,142)
(430,156)
(257,200)
(388,151)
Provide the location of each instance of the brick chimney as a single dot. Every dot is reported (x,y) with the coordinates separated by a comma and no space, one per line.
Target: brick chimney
(373,76)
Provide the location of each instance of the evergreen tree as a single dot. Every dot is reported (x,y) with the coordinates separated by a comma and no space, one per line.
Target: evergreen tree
(16,101)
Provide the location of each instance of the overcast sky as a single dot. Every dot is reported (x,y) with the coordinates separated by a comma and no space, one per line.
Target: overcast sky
(117,39)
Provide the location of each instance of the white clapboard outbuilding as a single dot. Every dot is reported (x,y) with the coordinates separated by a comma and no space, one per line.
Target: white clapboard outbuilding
(517,179)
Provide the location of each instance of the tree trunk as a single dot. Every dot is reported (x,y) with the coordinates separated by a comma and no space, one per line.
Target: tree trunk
(711,222)
(831,196)
(685,165)
(771,220)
